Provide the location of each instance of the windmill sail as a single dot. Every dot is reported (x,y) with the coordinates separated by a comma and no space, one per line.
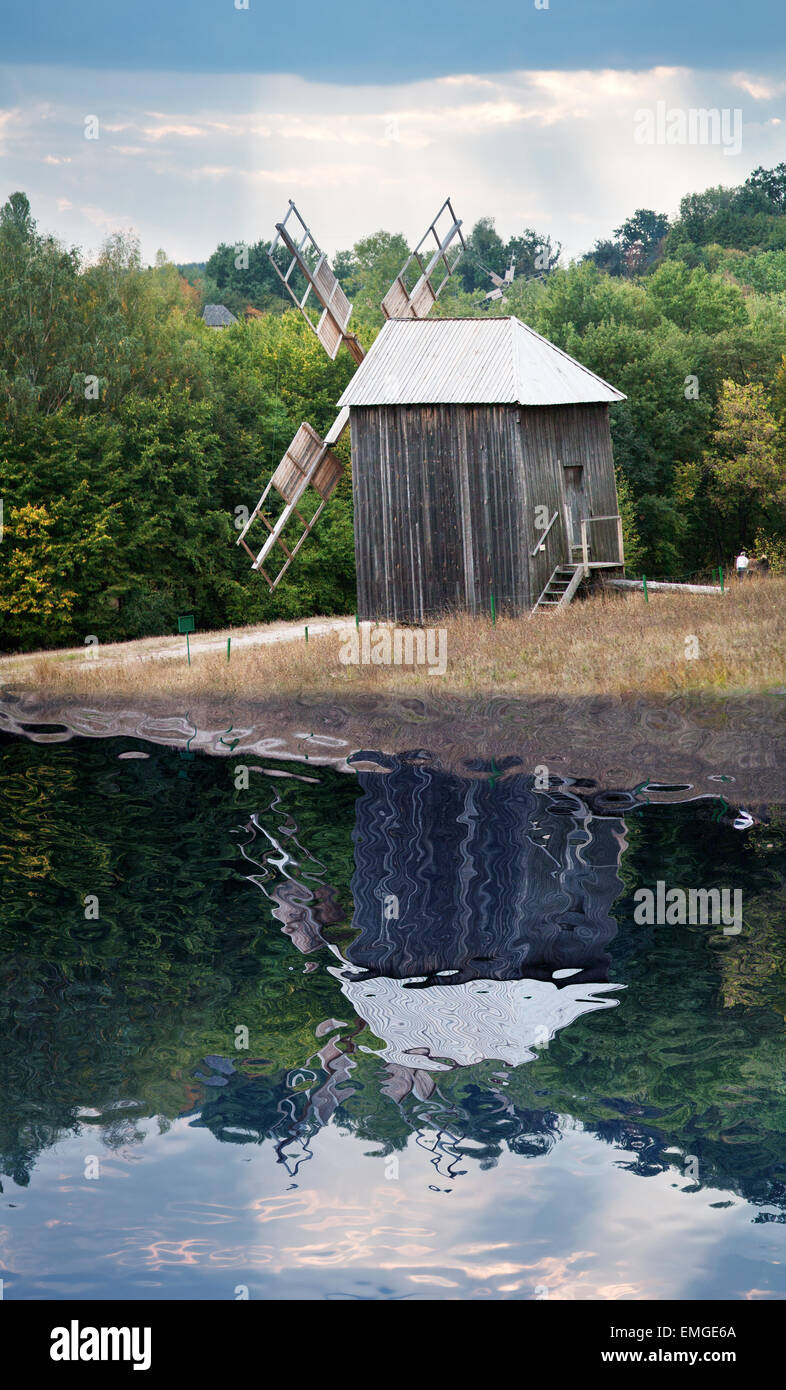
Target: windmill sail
(408,300)
(500,282)
(316,270)
(307,463)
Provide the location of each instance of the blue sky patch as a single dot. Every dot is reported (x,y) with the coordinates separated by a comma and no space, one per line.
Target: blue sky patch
(357,41)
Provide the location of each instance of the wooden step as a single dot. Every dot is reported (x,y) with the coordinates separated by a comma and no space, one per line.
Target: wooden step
(561,586)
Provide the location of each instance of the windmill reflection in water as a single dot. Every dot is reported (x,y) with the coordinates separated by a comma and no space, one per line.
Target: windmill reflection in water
(482,920)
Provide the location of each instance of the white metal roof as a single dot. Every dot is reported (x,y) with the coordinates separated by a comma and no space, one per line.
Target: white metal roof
(482,361)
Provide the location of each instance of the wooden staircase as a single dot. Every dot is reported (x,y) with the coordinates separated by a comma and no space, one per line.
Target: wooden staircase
(561,587)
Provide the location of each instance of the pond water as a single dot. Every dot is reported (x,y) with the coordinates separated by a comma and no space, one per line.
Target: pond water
(395,1033)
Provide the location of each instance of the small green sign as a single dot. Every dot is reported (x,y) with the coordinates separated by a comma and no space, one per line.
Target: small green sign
(186,623)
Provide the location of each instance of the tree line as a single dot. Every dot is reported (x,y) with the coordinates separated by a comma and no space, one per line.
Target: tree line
(132,435)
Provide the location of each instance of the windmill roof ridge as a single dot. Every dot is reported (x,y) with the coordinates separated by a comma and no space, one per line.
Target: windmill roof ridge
(471,360)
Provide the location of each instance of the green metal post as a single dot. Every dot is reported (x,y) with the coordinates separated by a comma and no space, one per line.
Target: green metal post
(644,582)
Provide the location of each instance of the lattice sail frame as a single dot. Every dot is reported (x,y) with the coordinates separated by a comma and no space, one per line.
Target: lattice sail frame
(402,303)
(307,463)
(336,308)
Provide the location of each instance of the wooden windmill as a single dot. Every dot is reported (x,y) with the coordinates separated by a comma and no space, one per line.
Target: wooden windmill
(309,463)
(482,464)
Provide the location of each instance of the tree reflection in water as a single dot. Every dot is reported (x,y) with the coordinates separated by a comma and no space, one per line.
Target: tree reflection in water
(439,959)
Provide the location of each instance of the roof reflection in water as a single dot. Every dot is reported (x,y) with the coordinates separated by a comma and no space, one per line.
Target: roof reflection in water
(482,910)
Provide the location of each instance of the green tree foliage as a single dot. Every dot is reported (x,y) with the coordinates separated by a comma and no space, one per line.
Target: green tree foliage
(743,473)
(119,513)
(368,270)
(779,393)
(533,256)
(744,218)
(764,271)
(764,191)
(132,436)
(366,274)
(636,245)
(240,275)
(693,299)
(40,583)
(485,251)
(41,328)
(634,551)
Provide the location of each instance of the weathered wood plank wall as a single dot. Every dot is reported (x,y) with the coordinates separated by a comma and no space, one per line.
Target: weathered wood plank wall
(445,500)
(580,434)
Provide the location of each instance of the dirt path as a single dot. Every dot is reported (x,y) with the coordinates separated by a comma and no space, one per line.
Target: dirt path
(172,648)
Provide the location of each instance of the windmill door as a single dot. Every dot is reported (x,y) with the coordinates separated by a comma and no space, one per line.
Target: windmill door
(576,504)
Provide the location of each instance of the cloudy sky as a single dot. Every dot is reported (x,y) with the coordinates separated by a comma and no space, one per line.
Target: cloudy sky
(211,115)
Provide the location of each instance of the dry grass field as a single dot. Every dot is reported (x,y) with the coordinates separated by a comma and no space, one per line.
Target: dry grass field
(610,643)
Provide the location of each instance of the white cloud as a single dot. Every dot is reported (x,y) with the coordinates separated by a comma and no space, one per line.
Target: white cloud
(180,129)
(761,89)
(7,120)
(106,221)
(465,79)
(553,150)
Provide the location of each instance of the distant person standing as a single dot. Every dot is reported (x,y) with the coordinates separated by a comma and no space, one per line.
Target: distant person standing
(763,565)
(742,563)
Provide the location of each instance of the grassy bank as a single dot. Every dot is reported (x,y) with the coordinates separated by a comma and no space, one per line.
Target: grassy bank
(610,643)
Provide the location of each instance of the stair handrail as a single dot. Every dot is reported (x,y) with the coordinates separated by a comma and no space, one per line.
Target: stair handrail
(585,524)
(541,545)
